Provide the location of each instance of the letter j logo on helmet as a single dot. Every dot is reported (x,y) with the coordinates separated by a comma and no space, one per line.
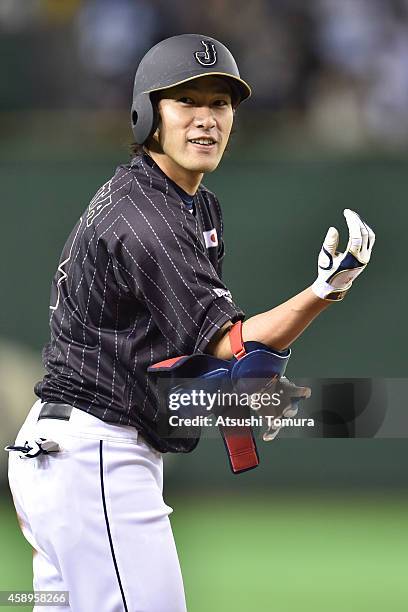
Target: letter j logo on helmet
(207,57)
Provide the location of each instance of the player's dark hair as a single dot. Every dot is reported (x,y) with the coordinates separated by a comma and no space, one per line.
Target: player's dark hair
(135,149)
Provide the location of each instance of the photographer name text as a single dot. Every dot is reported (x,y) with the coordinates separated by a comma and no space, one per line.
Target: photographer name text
(251,421)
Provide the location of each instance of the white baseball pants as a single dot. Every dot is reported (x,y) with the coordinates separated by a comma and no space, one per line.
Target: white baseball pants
(95,516)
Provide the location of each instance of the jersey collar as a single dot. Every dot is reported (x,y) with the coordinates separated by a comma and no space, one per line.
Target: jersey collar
(186,197)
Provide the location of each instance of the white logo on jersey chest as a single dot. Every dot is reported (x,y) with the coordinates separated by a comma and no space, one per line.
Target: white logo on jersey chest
(211,238)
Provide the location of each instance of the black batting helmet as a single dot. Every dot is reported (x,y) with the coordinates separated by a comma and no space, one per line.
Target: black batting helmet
(174,61)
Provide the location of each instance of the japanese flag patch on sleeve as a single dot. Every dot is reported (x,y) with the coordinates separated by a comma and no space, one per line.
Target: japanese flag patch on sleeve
(211,238)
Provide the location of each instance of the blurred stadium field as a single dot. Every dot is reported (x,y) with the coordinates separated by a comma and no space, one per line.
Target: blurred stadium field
(283,553)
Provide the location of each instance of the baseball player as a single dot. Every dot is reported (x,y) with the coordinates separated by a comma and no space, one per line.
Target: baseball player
(138,282)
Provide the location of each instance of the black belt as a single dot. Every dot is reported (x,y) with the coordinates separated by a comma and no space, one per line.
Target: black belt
(55,411)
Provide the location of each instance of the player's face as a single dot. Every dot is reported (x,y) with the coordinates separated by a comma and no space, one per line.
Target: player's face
(195,123)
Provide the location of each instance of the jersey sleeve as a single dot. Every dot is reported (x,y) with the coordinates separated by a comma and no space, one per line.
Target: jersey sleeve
(165,264)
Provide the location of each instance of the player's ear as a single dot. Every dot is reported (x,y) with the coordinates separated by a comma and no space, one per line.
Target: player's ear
(153,142)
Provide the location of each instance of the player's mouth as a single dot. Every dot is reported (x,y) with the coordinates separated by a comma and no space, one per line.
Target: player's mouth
(203,143)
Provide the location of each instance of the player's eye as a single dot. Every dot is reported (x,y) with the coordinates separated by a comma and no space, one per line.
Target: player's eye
(221,102)
(185,100)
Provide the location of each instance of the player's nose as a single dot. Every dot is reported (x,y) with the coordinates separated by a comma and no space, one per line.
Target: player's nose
(204,118)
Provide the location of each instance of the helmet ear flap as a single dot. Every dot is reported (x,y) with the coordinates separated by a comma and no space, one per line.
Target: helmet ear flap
(143,117)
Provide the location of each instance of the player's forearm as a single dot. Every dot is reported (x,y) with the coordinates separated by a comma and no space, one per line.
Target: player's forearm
(277,328)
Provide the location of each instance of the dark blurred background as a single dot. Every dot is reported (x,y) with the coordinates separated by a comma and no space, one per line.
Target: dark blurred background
(321,522)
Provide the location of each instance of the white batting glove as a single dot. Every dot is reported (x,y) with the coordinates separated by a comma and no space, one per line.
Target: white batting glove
(290,396)
(337,271)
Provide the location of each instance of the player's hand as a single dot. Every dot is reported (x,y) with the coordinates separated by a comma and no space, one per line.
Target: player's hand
(289,397)
(337,271)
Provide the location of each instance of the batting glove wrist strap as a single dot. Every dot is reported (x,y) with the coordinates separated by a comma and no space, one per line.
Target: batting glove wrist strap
(327,292)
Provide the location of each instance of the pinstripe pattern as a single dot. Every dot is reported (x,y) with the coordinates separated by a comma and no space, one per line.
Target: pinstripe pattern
(135,285)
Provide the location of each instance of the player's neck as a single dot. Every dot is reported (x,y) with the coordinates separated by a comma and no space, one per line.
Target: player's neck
(188,180)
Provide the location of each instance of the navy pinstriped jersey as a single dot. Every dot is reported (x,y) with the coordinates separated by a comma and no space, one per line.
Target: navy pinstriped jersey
(138,282)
